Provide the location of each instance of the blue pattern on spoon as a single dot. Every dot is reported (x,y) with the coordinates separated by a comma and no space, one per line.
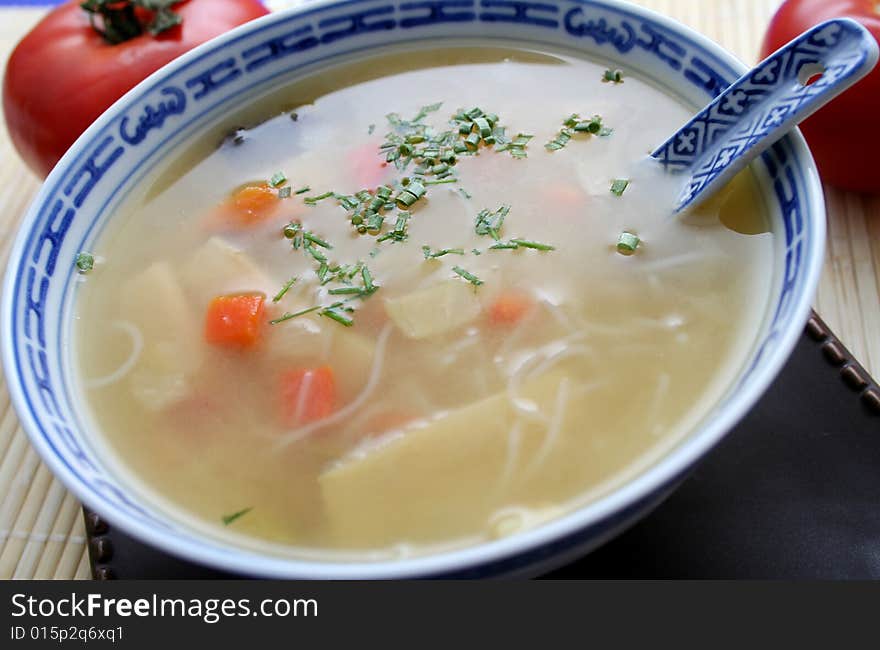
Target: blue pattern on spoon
(766,103)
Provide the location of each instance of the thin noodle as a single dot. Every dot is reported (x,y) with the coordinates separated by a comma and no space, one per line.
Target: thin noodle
(375,372)
(659,394)
(671,262)
(137,346)
(301,398)
(514,439)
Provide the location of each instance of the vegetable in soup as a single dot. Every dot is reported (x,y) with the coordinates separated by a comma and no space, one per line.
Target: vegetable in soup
(428,306)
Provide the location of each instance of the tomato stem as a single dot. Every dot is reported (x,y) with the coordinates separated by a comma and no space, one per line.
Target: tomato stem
(118,21)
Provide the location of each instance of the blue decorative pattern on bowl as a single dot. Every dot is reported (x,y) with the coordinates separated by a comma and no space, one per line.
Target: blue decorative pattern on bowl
(170,107)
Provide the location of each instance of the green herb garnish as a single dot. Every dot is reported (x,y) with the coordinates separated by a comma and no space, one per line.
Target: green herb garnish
(287,315)
(346,291)
(285,192)
(538,246)
(572,125)
(618,186)
(490,223)
(303,190)
(430,255)
(399,233)
(312,200)
(441,181)
(278,179)
(333,313)
(228,519)
(315,240)
(412,192)
(627,243)
(613,76)
(85,262)
(278,296)
(467,275)
(367,277)
(517,146)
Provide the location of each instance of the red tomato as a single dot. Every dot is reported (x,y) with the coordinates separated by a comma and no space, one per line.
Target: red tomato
(63,74)
(843,135)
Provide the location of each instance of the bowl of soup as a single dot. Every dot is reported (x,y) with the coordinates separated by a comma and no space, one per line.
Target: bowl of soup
(377,289)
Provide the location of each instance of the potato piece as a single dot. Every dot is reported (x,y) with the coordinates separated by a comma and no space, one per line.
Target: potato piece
(158,380)
(435,310)
(218,268)
(355,354)
(154,302)
(408,477)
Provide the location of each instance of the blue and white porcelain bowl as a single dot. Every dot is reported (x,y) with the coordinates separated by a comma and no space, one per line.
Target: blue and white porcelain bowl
(171,108)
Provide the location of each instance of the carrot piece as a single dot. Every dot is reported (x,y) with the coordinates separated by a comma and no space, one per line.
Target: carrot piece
(307,394)
(253,203)
(235,321)
(368,167)
(510,308)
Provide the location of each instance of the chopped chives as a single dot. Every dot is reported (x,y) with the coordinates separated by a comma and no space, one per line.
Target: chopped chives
(538,246)
(346,291)
(627,243)
(467,275)
(605,132)
(482,126)
(287,315)
(285,192)
(85,262)
(592,127)
(618,186)
(464,193)
(228,519)
(430,255)
(278,179)
(314,252)
(504,246)
(562,138)
(613,76)
(284,289)
(323,274)
(412,192)
(490,223)
(303,190)
(291,230)
(316,240)
(333,314)
(367,277)
(312,200)
(441,181)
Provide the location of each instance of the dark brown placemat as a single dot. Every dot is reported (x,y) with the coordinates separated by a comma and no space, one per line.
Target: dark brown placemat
(792,492)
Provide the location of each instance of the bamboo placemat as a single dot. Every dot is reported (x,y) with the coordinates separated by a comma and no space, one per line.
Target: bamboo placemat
(41,532)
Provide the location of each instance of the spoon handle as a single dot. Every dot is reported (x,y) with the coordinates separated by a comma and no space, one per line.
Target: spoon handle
(765,104)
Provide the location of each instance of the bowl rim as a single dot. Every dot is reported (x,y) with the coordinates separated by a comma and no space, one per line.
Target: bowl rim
(671,466)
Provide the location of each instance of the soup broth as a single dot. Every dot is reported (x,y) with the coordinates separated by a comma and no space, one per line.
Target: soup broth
(385,321)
